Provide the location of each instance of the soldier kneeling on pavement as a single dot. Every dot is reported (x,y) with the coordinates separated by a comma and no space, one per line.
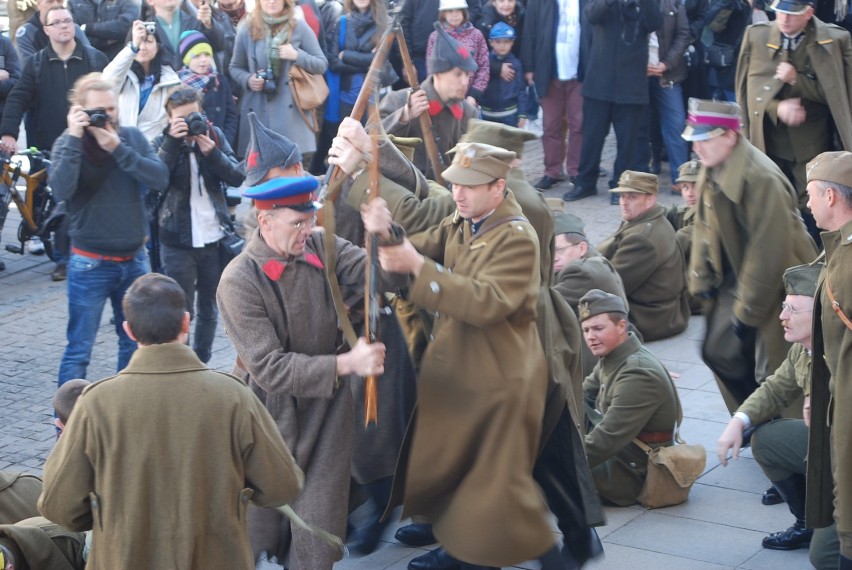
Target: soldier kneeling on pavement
(781,445)
(629,395)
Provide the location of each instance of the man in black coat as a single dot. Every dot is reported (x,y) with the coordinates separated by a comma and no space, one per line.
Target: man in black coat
(615,89)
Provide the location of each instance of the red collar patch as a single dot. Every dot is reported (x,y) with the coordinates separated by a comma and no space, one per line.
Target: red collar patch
(274,269)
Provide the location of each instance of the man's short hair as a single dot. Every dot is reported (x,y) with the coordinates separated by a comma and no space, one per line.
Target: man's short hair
(94,81)
(66,397)
(54,9)
(844,191)
(183,95)
(154,308)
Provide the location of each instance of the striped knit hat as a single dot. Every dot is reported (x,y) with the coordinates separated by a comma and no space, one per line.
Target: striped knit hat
(193,43)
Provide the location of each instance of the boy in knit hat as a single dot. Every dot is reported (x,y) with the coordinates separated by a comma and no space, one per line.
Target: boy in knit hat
(505,101)
(199,72)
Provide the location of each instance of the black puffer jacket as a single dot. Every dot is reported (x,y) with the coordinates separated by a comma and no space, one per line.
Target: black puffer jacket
(220,166)
(358,45)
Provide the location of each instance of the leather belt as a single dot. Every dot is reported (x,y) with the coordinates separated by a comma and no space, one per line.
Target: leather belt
(91,255)
(655,436)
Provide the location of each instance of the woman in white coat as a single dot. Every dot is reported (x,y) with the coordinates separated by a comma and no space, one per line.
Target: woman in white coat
(143,81)
(268,42)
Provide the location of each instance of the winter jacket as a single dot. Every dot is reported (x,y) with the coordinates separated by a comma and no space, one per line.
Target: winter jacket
(107,22)
(354,59)
(673,37)
(490,16)
(46,97)
(217,168)
(10,62)
(503,96)
(152,118)
(418,17)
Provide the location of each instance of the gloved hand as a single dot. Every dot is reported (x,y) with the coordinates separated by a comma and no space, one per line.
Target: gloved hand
(266,563)
(742,330)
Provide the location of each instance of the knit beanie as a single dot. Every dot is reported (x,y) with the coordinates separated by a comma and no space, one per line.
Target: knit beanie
(193,43)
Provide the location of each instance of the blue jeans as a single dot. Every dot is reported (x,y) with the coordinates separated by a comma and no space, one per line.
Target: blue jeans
(669,104)
(90,283)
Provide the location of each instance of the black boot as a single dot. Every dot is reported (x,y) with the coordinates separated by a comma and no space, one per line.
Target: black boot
(552,560)
(415,534)
(792,490)
(845,563)
(771,497)
(364,539)
(466,566)
(438,559)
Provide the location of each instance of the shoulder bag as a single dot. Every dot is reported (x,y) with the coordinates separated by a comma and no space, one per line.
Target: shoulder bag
(309,93)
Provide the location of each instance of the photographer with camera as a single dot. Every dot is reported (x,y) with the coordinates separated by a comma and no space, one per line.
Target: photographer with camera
(99,172)
(195,230)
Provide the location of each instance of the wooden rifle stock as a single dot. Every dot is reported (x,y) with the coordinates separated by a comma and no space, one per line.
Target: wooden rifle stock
(425,119)
(371,284)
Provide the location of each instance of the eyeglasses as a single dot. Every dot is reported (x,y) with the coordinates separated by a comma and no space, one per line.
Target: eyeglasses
(309,223)
(793,310)
(561,250)
(66,22)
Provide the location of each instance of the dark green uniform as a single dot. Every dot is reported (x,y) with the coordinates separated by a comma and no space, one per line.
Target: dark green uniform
(18,496)
(633,392)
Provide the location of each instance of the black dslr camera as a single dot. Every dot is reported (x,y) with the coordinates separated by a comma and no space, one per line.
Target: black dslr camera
(270,86)
(97,117)
(151,28)
(196,123)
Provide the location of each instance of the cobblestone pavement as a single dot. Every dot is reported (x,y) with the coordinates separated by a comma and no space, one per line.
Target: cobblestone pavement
(720,527)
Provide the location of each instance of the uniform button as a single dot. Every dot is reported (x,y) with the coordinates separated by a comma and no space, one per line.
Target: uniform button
(433,285)
(439,268)
(758,99)
(633,464)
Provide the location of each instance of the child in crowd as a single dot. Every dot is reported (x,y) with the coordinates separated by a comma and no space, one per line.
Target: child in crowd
(505,98)
(453,17)
(199,72)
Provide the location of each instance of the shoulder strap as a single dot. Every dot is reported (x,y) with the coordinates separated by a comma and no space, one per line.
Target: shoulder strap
(835,305)
(491,224)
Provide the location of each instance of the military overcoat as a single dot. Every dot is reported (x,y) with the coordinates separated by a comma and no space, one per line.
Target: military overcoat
(160,462)
(481,391)
(18,495)
(831,390)
(446,128)
(647,256)
(789,382)
(747,222)
(761,51)
(285,332)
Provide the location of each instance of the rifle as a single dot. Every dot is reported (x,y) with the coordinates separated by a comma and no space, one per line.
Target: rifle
(372,297)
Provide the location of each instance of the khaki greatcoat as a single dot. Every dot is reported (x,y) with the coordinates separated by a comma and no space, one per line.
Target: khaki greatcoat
(481,391)
(830,55)
(747,223)
(160,462)
(831,392)
(647,256)
(39,544)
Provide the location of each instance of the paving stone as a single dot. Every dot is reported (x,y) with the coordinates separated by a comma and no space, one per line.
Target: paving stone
(733,509)
(778,560)
(705,406)
(744,474)
(617,556)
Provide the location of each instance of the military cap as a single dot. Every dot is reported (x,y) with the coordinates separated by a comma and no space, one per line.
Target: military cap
(267,149)
(452,5)
(406,145)
(497,134)
(566,223)
(477,163)
(640,182)
(502,31)
(802,279)
(447,54)
(285,192)
(833,166)
(688,171)
(792,6)
(597,302)
(707,119)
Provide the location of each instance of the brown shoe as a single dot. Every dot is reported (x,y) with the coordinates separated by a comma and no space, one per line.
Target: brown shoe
(60,272)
